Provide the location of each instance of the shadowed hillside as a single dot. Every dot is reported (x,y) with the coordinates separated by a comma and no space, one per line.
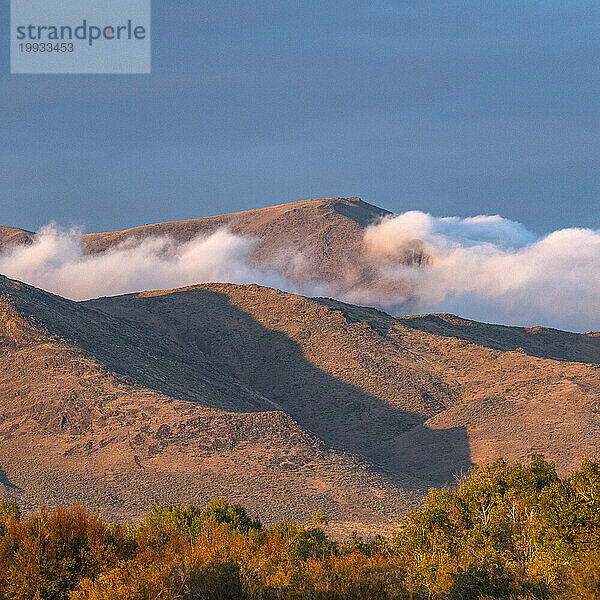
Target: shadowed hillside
(344,382)
(285,402)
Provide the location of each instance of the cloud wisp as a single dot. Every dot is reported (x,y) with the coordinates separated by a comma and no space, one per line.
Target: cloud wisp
(56,262)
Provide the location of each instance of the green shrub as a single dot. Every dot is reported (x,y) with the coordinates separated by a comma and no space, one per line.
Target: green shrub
(489,580)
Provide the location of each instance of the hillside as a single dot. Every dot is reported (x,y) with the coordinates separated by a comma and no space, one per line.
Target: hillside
(307,243)
(94,410)
(286,402)
(326,231)
(12,236)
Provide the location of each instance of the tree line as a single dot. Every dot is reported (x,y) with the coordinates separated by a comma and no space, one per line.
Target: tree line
(503,531)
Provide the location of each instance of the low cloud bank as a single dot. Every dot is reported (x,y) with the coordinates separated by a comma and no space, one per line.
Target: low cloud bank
(486,268)
(492,269)
(56,262)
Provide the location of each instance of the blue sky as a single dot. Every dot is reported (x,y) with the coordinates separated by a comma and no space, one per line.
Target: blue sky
(455,108)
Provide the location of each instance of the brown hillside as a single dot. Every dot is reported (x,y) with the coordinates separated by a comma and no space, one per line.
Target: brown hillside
(447,390)
(284,402)
(309,240)
(306,242)
(11,236)
(96,410)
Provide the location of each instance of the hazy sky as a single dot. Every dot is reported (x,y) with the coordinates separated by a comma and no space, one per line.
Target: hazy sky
(454,108)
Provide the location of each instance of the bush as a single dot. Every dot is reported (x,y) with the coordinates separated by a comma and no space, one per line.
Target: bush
(173,577)
(9,511)
(163,523)
(232,515)
(487,580)
(586,576)
(507,531)
(47,555)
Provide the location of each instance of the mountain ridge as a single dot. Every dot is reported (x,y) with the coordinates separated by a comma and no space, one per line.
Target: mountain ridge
(369,211)
(306,243)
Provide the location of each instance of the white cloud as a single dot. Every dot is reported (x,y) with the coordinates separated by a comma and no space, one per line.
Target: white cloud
(493,269)
(485,268)
(56,262)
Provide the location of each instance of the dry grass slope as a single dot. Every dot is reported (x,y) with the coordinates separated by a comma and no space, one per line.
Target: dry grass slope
(285,402)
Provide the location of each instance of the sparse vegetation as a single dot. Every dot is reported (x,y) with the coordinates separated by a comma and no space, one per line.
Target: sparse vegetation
(507,531)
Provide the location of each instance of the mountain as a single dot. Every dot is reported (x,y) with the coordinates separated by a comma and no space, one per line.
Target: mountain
(12,236)
(327,232)
(308,243)
(286,403)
